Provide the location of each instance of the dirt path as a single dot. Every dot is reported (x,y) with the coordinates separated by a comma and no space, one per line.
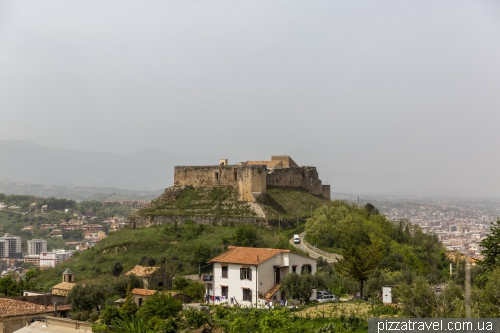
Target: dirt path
(313,252)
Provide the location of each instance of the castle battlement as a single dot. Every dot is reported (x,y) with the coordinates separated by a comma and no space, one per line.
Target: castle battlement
(251,178)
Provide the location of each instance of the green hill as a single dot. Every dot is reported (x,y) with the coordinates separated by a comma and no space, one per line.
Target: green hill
(223,202)
(185,247)
(181,248)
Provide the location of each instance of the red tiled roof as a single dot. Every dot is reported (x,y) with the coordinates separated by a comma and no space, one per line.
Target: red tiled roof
(10,307)
(247,255)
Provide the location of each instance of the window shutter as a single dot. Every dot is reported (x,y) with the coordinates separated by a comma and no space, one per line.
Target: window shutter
(241,273)
(250,274)
(250,295)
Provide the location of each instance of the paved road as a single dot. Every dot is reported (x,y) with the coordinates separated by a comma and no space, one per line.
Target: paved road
(329,257)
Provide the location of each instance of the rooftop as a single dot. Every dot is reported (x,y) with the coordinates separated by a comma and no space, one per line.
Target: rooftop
(143,292)
(142,271)
(247,255)
(10,307)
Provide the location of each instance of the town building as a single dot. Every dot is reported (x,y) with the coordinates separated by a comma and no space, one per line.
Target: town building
(37,246)
(14,246)
(252,178)
(152,276)
(61,290)
(14,315)
(249,276)
(51,259)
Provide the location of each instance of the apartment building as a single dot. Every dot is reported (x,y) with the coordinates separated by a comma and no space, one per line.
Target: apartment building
(37,246)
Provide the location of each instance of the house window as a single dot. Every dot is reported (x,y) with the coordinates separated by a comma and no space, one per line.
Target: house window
(235,174)
(306,269)
(224,271)
(224,291)
(294,269)
(245,273)
(247,295)
(216,176)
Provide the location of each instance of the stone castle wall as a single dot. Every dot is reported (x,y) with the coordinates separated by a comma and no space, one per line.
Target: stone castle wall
(305,177)
(251,180)
(209,176)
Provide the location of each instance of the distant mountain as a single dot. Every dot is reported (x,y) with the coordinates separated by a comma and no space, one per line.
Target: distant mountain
(150,170)
(75,192)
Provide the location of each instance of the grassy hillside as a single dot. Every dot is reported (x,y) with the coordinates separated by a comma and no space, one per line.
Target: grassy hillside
(223,202)
(289,202)
(201,201)
(182,248)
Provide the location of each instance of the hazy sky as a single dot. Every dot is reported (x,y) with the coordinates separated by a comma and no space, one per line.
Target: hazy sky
(382,96)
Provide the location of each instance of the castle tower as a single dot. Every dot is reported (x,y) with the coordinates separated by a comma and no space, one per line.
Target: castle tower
(68,276)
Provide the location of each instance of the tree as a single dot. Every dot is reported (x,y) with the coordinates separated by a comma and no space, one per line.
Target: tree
(300,287)
(87,297)
(359,261)
(129,307)
(491,247)
(8,287)
(160,305)
(419,300)
(246,235)
(110,314)
(117,269)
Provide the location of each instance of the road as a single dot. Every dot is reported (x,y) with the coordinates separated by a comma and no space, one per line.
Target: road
(313,252)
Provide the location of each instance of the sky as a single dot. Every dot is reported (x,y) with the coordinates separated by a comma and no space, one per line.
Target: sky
(384,97)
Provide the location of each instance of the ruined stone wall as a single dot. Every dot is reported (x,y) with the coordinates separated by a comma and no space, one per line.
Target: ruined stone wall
(286,161)
(251,182)
(305,177)
(210,176)
(326,191)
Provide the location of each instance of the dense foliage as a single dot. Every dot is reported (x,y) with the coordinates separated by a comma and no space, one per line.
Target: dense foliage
(371,245)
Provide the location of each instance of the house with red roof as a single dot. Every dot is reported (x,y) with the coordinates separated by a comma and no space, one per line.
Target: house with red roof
(251,276)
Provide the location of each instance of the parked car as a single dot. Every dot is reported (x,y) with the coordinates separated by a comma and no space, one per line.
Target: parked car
(322,293)
(296,239)
(328,298)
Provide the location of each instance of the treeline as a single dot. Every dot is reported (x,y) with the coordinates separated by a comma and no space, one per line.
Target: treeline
(93,208)
(376,251)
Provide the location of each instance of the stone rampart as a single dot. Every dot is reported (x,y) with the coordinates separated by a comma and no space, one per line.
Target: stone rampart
(210,176)
(305,177)
(326,191)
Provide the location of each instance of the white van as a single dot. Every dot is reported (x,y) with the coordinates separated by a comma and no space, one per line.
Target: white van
(296,239)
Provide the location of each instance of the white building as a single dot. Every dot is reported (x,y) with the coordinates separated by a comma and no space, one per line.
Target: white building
(249,276)
(14,245)
(51,259)
(37,246)
(4,248)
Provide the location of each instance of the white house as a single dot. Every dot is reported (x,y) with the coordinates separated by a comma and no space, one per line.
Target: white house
(249,276)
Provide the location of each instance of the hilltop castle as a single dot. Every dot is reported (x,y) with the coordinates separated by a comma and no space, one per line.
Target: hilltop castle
(251,178)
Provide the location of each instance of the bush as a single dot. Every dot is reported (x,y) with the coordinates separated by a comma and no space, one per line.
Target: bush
(195,318)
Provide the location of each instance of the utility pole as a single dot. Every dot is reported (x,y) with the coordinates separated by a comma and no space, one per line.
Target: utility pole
(358,201)
(468,312)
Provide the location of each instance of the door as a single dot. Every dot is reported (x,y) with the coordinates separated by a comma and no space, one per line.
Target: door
(277,276)
(387,295)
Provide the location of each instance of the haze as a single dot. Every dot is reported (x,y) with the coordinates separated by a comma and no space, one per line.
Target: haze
(382,96)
